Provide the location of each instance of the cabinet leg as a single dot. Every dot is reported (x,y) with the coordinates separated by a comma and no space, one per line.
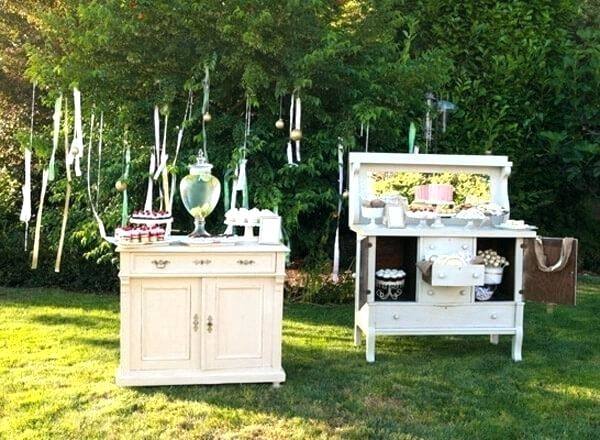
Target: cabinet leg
(494,339)
(276,384)
(517,343)
(370,345)
(357,336)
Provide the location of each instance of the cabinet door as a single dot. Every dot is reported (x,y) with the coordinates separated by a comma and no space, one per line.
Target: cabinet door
(165,321)
(237,322)
(558,287)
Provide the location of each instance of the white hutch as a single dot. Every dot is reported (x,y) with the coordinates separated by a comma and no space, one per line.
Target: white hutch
(201,313)
(446,304)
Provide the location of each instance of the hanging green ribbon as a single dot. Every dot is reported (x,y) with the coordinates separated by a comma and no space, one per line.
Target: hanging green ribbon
(125,208)
(412,132)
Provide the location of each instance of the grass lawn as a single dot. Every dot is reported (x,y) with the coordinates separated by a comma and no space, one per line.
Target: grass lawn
(59,352)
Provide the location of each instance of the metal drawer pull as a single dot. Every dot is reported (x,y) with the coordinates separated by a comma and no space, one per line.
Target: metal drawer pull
(463,293)
(475,275)
(465,247)
(442,275)
(396,317)
(196,322)
(494,316)
(430,292)
(209,324)
(202,262)
(160,264)
(245,262)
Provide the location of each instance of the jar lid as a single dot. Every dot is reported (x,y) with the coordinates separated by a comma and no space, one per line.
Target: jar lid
(202,164)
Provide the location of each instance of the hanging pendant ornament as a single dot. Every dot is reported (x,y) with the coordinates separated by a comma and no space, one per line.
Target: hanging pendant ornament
(206,117)
(121,185)
(336,245)
(99,221)
(295,130)
(279,124)
(296,135)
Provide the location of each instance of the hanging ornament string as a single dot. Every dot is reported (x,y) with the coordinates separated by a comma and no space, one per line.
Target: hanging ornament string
(100,140)
(336,245)
(63,228)
(187,116)
(153,158)
(55,135)
(77,144)
(101,228)
(25,215)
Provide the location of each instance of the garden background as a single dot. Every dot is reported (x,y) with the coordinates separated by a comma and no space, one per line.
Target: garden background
(524,74)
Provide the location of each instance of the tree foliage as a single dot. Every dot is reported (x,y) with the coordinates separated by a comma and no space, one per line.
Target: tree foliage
(524,75)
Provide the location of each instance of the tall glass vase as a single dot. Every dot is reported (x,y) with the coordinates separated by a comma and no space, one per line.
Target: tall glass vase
(200,192)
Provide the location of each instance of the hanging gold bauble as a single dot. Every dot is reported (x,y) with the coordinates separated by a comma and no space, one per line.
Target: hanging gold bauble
(206,117)
(296,134)
(279,124)
(121,185)
(74,151)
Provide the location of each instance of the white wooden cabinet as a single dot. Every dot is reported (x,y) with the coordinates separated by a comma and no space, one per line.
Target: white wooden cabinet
(444,303)
(198,314)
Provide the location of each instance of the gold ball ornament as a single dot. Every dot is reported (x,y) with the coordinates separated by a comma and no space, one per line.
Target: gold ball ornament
(296,135)
(346,194)
(206,117)
(279,124)
(74,151)
(121,185)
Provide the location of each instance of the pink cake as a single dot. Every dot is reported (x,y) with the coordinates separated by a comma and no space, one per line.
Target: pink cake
(440,192)
(421,192)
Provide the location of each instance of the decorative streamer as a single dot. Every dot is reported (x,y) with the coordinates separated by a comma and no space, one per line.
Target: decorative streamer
(298,116)
(125,208)
(153,158)
(77,144)
(63,228)
(336,245)
(412,132)
(186,117)
(100,139)
(89,183)
(205,103)
(367,138)
(290,154)
(38,220)
(25,215)
(55,134)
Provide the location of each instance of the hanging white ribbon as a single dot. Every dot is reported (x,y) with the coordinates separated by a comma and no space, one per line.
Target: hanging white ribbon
(290,153)
(55,134)
(150,191)
(336,245)
(89,185)
(25,215)
(290,157)
(367,138)
(63,228)
(186,116)
(163,152)
(100,139)
(38,221)
(77,145)
(298,116)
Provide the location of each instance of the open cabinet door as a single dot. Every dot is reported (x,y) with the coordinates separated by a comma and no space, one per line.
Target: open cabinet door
(555,287)
(363,267)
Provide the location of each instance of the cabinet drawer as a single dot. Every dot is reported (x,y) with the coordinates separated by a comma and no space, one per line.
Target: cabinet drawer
(446,295)
(466,275)
(430,246)
(204,263)
(448,316)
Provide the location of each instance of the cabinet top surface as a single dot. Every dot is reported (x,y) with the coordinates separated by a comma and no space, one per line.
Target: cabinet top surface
(185,245)
(446,231)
